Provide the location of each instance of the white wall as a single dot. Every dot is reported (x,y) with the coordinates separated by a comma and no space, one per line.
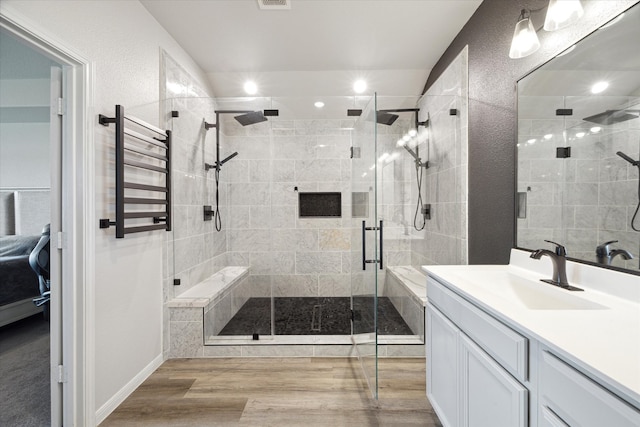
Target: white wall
(123,42)
(24,131)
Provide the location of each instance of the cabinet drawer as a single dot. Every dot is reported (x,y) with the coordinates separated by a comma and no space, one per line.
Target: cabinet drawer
(503,344)
(577,400)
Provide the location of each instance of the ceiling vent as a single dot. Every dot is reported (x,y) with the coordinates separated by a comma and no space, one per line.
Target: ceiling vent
(274,4)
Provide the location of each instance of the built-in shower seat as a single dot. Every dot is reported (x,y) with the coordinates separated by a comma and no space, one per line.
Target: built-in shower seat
(202,307)
(212,289)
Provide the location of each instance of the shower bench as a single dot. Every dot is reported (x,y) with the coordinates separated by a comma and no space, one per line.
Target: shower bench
(223,292)
(406,287)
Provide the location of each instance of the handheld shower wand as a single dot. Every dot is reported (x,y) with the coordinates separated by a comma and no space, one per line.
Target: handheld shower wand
(637,164)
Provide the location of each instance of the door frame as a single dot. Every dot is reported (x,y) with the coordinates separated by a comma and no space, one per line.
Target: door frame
(74,323)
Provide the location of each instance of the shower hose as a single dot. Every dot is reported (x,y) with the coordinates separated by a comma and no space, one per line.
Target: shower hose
(217,220)
(419,171)
(633,220)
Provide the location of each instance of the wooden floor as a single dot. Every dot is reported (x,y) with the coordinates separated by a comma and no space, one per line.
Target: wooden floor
(277,392)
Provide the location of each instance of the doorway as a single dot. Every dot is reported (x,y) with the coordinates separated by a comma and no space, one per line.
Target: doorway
(30,194)
(70,203)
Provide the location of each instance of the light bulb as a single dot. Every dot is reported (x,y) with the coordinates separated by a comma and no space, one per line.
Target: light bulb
(595,129)
(525,40)
(319,104)
(413,133)
(562,13)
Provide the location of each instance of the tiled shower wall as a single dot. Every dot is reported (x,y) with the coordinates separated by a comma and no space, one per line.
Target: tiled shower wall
(581,201)
(193,251)
(278,159)
(444,238)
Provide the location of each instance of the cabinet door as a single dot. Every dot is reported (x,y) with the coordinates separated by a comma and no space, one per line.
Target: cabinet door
(577,400)
(442,369)
(490,396)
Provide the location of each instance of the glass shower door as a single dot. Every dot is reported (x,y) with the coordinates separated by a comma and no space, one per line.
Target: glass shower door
(365,248)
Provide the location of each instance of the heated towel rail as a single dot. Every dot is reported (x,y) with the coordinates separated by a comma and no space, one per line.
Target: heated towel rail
(136,150)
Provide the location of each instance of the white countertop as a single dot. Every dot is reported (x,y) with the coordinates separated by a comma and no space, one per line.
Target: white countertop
(598,329)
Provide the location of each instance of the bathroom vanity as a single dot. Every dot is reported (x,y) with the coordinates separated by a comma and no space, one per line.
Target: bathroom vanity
(505,349)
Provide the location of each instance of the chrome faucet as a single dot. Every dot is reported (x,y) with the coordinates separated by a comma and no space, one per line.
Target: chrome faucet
(559,260)
(606,255)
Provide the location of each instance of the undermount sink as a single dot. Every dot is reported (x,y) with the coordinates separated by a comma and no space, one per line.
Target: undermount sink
(535,294)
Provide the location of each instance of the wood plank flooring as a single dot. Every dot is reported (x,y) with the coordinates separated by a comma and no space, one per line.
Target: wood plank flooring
(277,392)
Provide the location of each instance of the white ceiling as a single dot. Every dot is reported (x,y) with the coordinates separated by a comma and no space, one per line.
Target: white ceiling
(318,47)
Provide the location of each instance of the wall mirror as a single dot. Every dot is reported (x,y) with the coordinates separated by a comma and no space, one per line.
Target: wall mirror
(578,144)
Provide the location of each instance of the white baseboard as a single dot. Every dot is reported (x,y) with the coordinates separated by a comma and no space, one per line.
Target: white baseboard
(115,401)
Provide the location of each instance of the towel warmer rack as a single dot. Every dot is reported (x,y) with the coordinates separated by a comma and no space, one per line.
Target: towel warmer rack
(156,148)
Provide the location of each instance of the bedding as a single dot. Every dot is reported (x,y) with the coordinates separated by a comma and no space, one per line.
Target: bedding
(17,280)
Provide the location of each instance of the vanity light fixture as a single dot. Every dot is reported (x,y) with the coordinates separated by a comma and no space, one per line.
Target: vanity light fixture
(401,142)
(599,87)
(525,40)
(413,133)
(562,13)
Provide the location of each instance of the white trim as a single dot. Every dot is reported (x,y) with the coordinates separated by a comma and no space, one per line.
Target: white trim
(77,216)
(115,401)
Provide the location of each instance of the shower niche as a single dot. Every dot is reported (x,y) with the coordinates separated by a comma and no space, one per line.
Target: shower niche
(320,205)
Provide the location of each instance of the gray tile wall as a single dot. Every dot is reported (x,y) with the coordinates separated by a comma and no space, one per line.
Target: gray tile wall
(297,256)
(584,200)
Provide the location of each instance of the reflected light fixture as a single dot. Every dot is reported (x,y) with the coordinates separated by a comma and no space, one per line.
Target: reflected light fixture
(562,13)
(359,86)
(250,88)
(525,40)
(599,87)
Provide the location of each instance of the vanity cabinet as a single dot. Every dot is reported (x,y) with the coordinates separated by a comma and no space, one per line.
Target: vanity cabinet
(482,371)
(465,383)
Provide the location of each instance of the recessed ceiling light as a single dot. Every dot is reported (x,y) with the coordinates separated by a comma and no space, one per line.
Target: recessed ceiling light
(580,134)
(595,129)
(319,104)
(359,86)
(548,136)
(599,87)
(250,88)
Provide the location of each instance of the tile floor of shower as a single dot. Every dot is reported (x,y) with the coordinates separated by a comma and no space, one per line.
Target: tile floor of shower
(315,316)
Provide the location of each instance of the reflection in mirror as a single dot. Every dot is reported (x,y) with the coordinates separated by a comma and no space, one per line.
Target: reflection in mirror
(579,146)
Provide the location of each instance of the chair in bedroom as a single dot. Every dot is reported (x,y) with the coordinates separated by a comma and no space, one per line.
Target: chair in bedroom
(39,262)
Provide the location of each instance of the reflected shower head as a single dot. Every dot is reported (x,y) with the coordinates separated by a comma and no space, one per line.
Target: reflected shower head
(386,118)
(611,117)
(251,118)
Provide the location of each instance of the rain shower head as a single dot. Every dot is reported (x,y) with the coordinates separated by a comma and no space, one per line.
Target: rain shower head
(386,118)
(611,117)
(251,118)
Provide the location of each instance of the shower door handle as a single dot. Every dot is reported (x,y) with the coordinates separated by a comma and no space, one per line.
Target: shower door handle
(366,261)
